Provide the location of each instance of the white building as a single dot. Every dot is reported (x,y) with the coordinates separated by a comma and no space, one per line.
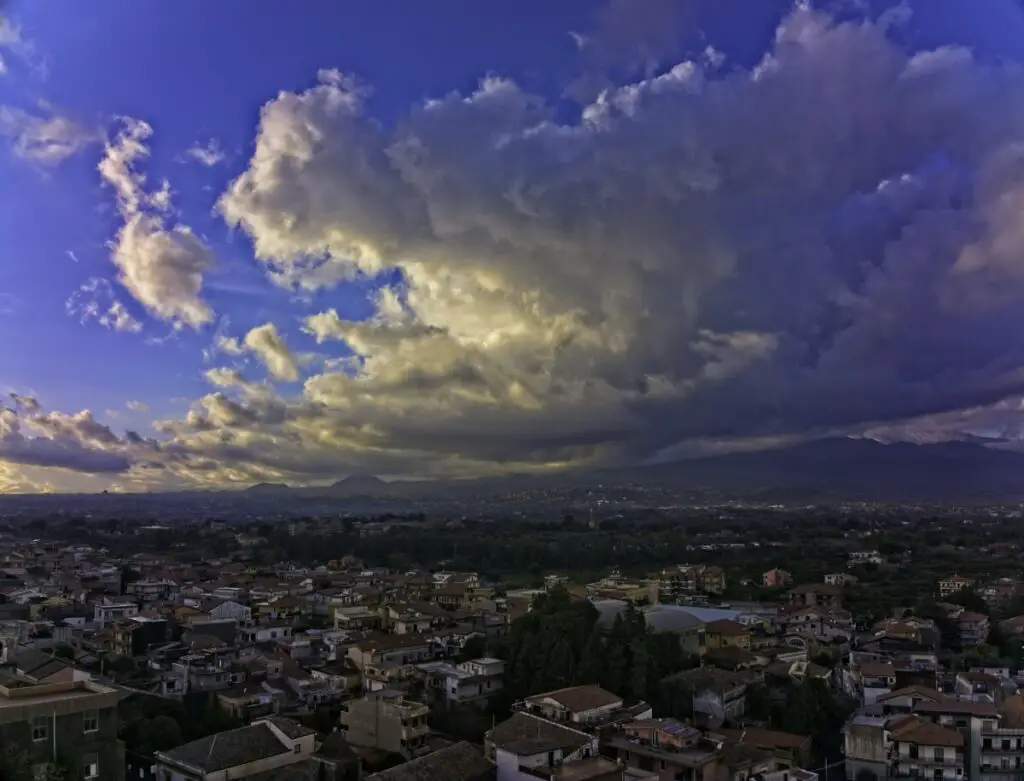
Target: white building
(111,612)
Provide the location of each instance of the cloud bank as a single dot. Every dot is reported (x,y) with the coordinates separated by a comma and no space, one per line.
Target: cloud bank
(826,242)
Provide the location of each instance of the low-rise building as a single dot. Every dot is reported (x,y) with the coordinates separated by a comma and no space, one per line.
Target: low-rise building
(588,704)
(776,578)
(386,720)
(974,628)
(111,612)
(921,748)
(951,585)
(74,724)
(263,746)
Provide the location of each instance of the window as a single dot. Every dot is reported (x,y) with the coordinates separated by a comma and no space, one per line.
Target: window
(297,748)
(91,766)
(40,728)
(913,751)
(90,721)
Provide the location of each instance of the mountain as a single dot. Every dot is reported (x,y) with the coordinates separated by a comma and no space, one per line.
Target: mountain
(819,471)
(267,488)
(857,469)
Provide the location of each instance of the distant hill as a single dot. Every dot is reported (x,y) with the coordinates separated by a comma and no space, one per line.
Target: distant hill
(266,488)
(819,471)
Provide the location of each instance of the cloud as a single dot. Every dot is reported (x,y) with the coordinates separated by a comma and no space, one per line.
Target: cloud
(266,343)
(10,39)
(162,267)
(45,137)
(95,300)
(209,154)
(137,406)
(75,443)
(823,242)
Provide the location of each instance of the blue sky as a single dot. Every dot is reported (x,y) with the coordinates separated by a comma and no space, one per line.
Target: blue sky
(511,346)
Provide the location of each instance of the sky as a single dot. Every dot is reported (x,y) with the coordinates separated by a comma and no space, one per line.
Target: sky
(241,244)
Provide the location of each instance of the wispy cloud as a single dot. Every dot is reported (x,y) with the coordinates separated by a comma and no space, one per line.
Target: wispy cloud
(95,300)
(45,136)
(208,154)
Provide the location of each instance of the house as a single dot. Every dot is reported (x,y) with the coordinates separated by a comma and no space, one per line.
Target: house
(386,720)
(725,633)
(860,558)
(716,696)
(874,679)
(776,578)
(111,612)
(924,749)
(471,681)
(265,633)
(951,585)
(572,741)
(588,704)
(668,744)
(788,749)
(134,636)
(230,609)
(974,628)
(816,595)
(265,745)
(457,762)
(866,746)
(391,649)
(78,717)
(840,579)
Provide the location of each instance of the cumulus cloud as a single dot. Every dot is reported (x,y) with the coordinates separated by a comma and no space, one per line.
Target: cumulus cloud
(137,406)
(823,242)
(44,137)
(73,442)
(95,300)
(161,266)
(267,344)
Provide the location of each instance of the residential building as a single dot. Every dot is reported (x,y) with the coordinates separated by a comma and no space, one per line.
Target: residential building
(265,745)
(457,762)
(667,746)
(111,612)
(725,633)
(923,749)
(974,628)
(588,704)
(866,747)
(788,749)
(840,579)
(386,720)
(816,595)
(391,649)
(860,558)
(776,578)
(471,681)
(717,696)
(570,739)
(951,585)
(230,609)
(134,636)
(73,723)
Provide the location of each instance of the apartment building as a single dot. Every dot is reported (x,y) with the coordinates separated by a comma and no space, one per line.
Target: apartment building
(72,723)
(386,720)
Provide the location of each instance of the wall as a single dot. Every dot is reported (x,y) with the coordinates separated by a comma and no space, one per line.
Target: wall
(69,742)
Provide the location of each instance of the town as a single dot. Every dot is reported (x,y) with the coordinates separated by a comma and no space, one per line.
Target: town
(729,643)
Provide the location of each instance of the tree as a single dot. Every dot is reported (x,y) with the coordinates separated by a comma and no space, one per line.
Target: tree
(159,734)
(640,669)
(475,647)
(969,600)
(591,666)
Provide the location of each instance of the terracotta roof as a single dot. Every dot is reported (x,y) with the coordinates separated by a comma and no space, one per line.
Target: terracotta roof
(580,698)
(392,642)
(922,732)
(725,626)
(524,725)
(458,762)
(764,738)
(911,691)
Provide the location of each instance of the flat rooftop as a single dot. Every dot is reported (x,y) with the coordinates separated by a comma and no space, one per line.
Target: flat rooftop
(16,702)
